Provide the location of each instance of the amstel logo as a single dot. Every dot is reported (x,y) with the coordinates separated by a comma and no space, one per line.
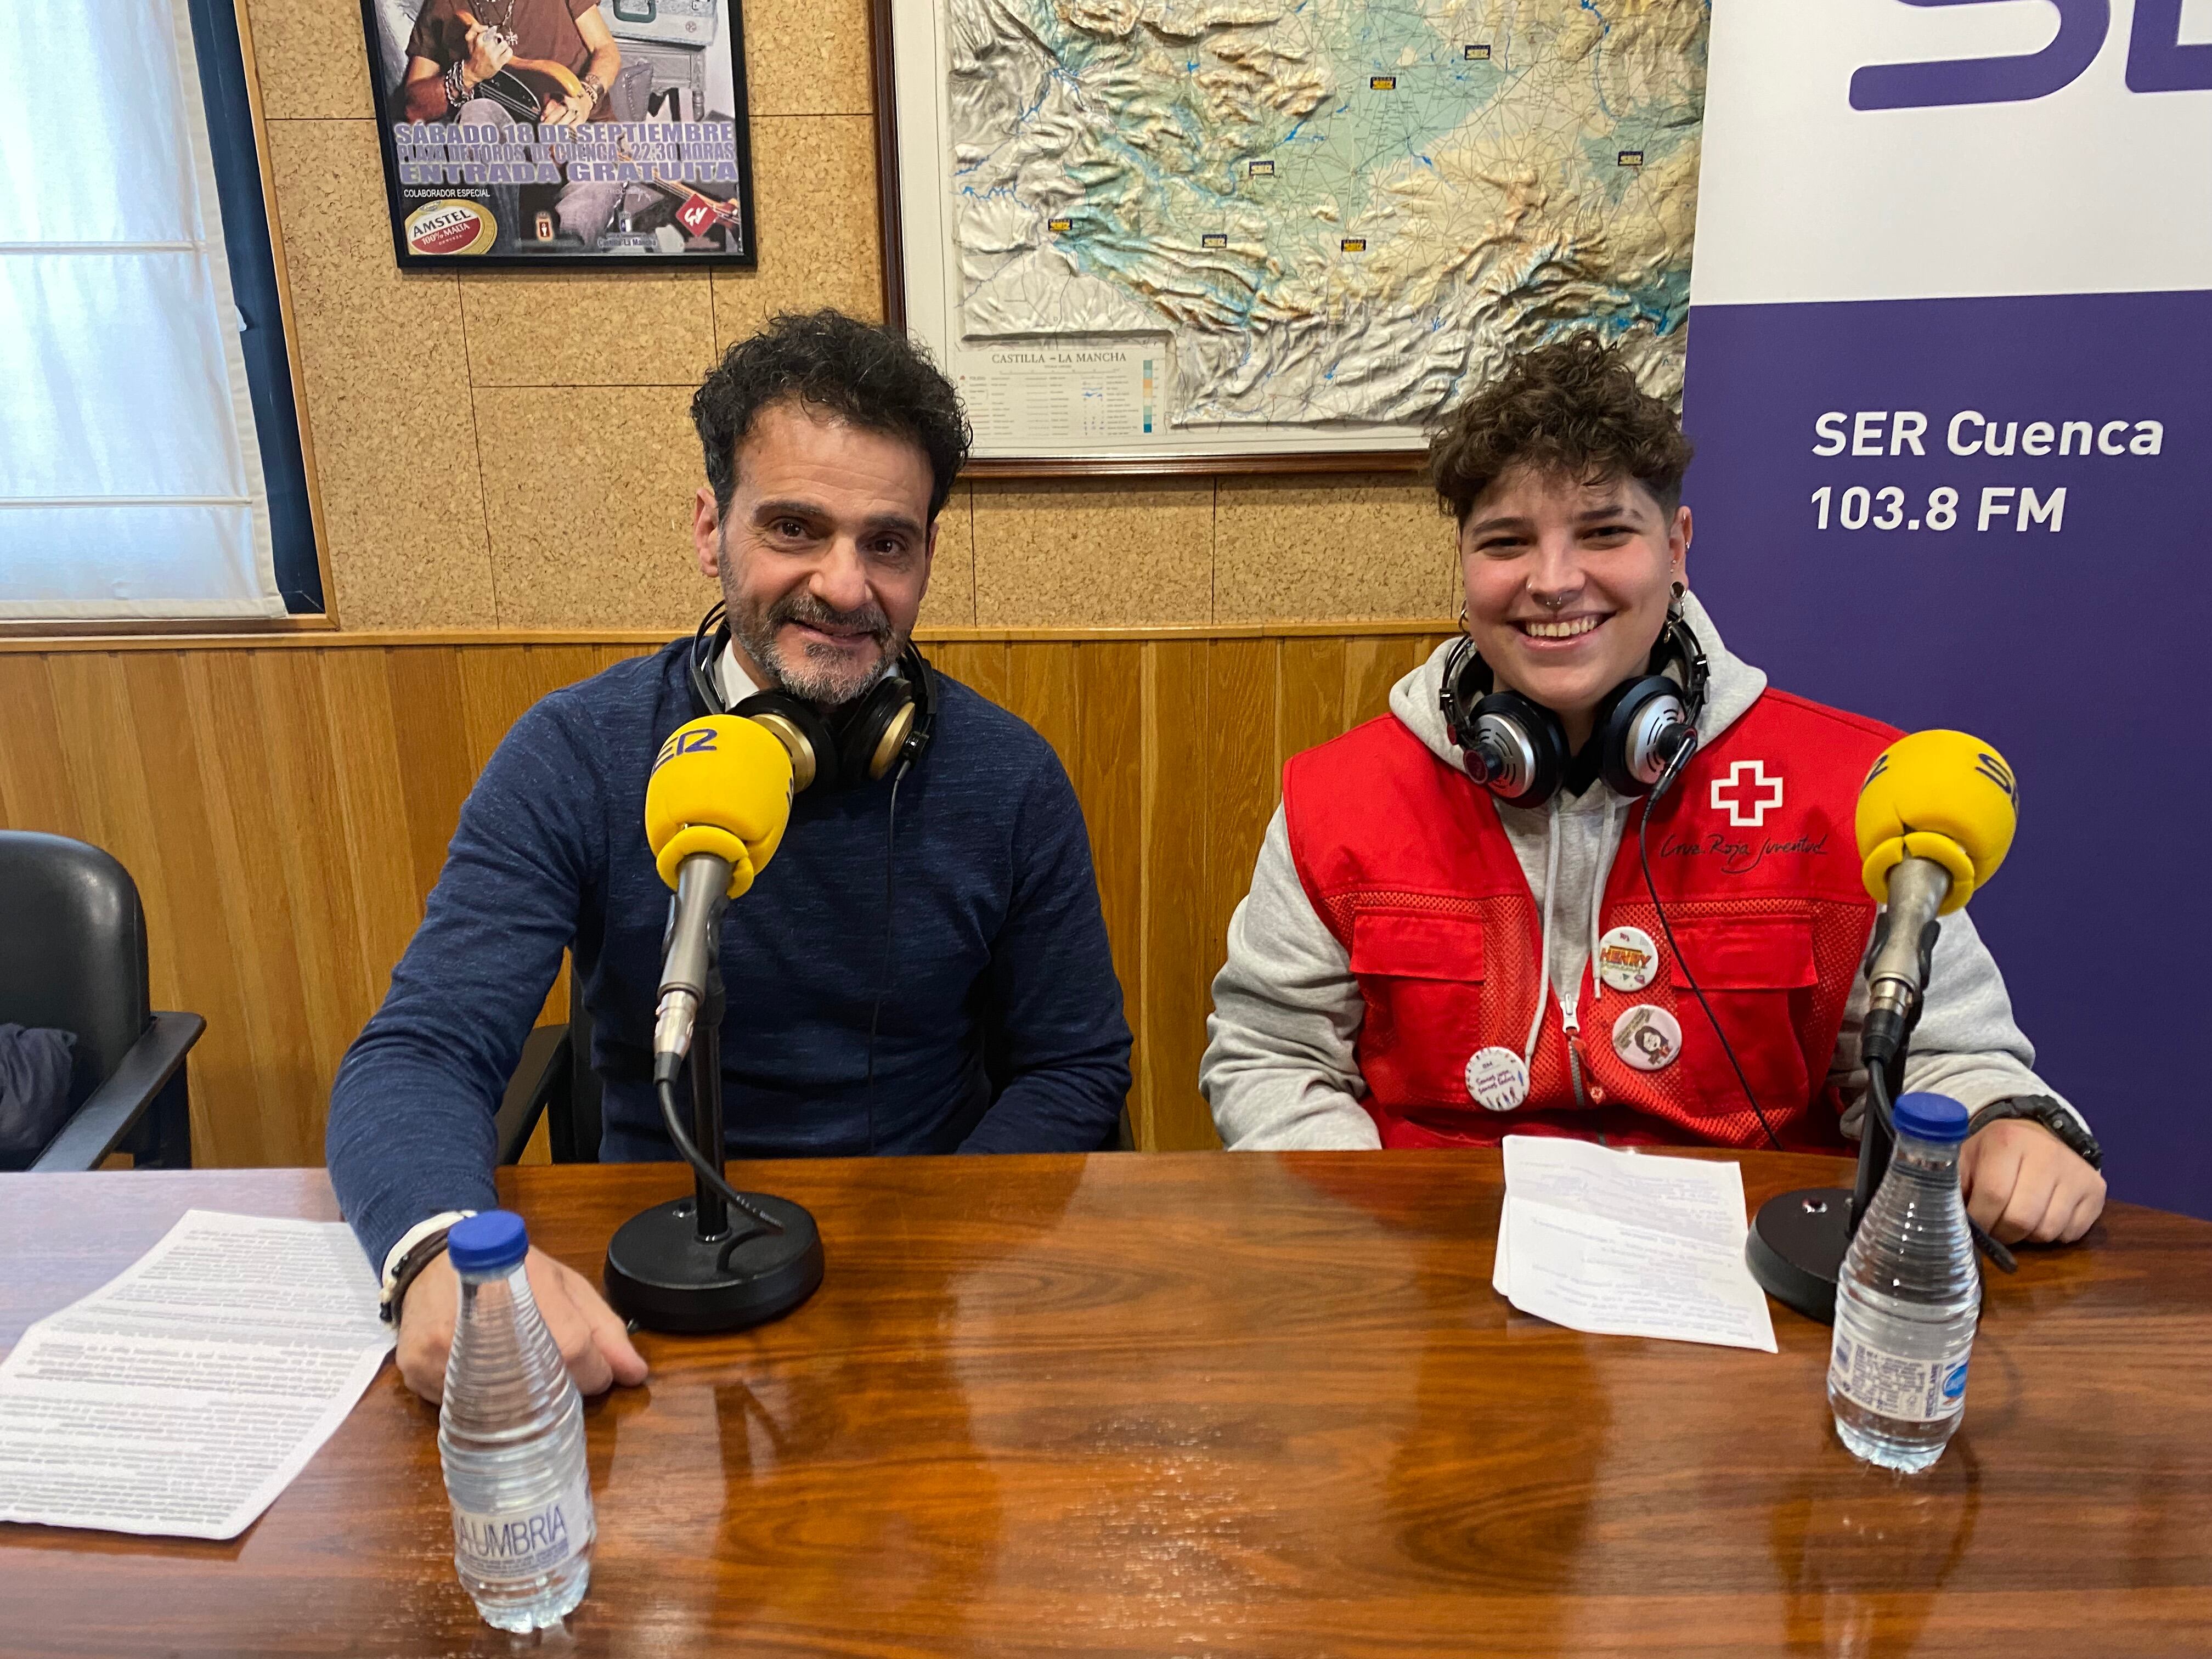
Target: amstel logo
(451,227)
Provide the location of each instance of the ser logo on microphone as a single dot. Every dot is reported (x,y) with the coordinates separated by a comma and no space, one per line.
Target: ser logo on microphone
(1988,765)
(684,743)
(1997,773)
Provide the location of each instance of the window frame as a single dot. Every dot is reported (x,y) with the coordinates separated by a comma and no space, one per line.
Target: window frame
(230,94)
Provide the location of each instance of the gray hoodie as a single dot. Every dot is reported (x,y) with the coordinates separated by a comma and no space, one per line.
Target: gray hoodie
(1279,1070)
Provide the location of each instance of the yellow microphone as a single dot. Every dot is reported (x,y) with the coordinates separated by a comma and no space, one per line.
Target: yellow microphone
(716,808)
(1935,818)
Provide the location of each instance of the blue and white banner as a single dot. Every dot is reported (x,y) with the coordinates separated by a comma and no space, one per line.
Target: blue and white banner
(1950,379)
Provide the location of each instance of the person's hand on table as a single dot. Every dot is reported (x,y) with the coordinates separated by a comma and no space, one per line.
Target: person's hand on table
(2022,1182)
(590,1335)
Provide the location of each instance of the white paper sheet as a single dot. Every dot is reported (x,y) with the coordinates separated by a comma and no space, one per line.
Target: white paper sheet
(1627,1244)
(183,1395)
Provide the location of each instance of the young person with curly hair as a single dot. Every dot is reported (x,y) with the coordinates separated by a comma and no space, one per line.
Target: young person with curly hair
(924,967)
(1448,937)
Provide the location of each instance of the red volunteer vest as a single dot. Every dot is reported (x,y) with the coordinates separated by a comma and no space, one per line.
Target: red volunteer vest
(1753,853)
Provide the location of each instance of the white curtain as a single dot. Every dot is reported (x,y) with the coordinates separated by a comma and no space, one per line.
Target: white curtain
(130,482)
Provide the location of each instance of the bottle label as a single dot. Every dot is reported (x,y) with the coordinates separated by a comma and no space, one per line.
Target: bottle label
(1890,1385)
(516,1544)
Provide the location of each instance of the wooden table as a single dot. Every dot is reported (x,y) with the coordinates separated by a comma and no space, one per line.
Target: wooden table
(1197,1403)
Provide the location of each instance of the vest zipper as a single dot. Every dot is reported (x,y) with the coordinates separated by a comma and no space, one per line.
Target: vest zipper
(1573,1028)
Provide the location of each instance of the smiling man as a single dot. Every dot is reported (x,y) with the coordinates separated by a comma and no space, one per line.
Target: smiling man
(1448,937)
(922,969)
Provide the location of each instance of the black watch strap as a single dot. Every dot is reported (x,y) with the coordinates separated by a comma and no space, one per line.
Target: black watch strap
(2042,1108)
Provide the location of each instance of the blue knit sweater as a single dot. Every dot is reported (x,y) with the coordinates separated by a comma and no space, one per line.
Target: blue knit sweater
(998,947)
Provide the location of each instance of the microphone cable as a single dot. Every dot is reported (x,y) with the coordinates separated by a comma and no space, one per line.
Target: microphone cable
(666,1088)
(1878,1101)
(1667,780)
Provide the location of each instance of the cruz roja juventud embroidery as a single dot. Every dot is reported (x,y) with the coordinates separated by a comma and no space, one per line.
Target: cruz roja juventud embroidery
(1739,853)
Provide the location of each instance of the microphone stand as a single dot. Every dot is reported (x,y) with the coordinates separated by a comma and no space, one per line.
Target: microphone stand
(690,1264)
(713,1213)
(1796,1246)
(1878,1134)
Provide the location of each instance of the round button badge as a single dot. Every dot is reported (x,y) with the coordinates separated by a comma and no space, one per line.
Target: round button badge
(1628,960)
(1646,1037)
(1497,1079)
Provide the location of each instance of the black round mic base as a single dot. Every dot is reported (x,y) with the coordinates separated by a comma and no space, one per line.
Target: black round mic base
(662,1275)
(1795,1248)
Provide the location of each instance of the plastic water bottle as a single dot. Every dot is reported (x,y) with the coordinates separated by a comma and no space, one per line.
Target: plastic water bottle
(511,1437)
(1908,1298)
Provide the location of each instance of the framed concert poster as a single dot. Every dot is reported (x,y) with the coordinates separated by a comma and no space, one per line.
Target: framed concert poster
(1279,236)
(562,132)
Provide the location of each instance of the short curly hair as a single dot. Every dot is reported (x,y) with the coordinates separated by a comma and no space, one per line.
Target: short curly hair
(1571,408)
(864,374)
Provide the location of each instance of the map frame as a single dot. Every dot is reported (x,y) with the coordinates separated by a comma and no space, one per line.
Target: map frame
(1045,403)
(896,172)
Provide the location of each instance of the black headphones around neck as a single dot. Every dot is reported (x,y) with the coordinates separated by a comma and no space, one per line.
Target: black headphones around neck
(887,729)
(1517,749)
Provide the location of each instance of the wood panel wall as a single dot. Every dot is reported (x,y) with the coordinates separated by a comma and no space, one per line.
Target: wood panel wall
(285,808)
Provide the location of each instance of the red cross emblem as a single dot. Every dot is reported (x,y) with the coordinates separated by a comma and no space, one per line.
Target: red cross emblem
(1747,793)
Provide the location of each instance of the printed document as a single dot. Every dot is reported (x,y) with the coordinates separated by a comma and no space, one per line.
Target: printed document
(180,1398)
(1627,1244)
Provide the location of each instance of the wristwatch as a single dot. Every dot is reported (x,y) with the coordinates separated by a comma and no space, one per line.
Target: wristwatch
(418,1247)
(2042,1108)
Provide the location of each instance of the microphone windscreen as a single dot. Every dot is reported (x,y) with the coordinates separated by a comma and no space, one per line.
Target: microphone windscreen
(1942,796)
(721,785)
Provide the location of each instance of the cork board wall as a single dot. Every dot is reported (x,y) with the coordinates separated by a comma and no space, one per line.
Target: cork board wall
(513,450)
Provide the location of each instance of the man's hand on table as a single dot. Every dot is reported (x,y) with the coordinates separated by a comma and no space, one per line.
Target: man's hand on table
(589,1332)
(2022,1182)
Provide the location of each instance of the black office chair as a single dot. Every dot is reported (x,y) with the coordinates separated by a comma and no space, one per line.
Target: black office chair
(555,1079)
(73,959)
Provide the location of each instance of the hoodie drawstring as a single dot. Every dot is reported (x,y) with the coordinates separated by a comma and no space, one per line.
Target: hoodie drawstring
(1597,898)
(1544,937)
(1567,1004)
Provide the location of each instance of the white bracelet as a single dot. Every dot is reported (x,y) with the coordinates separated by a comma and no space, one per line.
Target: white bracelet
(396,1257)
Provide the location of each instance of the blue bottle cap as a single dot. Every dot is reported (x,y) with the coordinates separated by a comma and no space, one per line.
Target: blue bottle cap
(497,1238)
(1931,1117)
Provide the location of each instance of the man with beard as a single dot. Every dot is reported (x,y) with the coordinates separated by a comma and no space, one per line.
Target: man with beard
(922,969)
